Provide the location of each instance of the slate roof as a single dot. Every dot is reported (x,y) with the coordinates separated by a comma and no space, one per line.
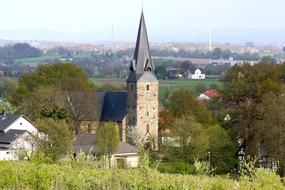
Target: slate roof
(11,135)
(115,106)
(142,61)
(86,142)
(6,120)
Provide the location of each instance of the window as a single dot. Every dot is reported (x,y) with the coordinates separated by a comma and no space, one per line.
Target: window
(147,87)
(132,87)
(147,113)
(147,128)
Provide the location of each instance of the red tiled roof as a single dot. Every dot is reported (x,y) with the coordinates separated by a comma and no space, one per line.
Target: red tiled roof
(212,93)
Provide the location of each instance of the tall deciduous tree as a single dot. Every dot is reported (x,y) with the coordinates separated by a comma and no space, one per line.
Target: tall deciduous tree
(245,88)
(272,133)
(182,102)
(192,138)
(107,139)
(59,91)
(222,149)
(55,138)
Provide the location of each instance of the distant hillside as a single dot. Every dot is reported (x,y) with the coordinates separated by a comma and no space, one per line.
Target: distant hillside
(19,51)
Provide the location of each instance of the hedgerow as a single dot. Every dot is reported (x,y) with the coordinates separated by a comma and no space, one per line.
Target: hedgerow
(28,175)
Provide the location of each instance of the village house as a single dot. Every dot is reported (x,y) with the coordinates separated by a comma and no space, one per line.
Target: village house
(15,135)
(195,74)
(209,95)
(125,157)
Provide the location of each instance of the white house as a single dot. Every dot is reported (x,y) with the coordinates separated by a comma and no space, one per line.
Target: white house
(15,135)
(126,156)
(197,74)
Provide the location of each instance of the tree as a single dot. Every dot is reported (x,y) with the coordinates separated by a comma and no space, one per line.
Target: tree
(107,139)
(245,88)
(217,53)
(222,149)
(47,75)
(181,102)
(59,91)
(54,138)
(187,65)
(7,108)
(272,133)
(200,87)
(191,137)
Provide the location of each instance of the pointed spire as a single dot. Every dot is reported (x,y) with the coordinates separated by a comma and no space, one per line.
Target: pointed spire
(142,58)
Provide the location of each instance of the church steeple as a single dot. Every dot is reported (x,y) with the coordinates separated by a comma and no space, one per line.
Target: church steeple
(142,61)
(142,88)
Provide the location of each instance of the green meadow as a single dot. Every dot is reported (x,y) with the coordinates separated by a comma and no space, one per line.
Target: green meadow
(165,86)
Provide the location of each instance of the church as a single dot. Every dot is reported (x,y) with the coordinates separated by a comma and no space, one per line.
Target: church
(138,106)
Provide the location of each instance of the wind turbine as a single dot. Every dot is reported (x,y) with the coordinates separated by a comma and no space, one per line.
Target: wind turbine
(210,30)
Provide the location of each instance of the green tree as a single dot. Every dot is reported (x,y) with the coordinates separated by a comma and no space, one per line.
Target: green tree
(245,87)
(272,133)
(192,138)
(107,139)
(54,139)
(222,149)
(181,102)
(59,91)
(58,74)
(7,108)
(200,87)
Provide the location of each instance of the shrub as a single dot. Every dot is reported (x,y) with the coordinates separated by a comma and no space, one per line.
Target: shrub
(27,175)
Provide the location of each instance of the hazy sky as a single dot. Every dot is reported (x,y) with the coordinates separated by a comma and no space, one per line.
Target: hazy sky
(77,16)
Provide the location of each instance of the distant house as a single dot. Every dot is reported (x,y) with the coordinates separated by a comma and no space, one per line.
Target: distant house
(173,72)
(209,94)
(15,134)
(197,74)
(126,156)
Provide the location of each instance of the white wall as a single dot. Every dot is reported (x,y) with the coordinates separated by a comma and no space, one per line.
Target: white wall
(133,161)
(203,97)
(6,155)
(22,124)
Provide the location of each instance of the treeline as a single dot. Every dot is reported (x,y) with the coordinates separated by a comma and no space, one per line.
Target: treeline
(217,53)
(18,51)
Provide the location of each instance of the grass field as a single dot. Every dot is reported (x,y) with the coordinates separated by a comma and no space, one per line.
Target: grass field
(38,60)
(165,86)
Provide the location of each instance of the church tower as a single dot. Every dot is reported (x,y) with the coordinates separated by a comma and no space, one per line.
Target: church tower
(142,88)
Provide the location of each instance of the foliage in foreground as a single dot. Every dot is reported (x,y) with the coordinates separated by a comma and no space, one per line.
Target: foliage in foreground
(68,175)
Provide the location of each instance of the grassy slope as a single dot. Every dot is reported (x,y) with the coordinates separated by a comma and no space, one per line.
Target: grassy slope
(38,60)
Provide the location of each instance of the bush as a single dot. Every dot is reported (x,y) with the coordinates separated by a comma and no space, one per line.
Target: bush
(27,175)
(176,168)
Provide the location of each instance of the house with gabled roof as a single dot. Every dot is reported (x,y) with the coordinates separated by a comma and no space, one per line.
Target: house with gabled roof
(196,74)
(125,157)
(209,94)
(15,135)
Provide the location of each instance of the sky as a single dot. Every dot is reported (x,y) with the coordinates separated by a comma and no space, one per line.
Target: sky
(167,20)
